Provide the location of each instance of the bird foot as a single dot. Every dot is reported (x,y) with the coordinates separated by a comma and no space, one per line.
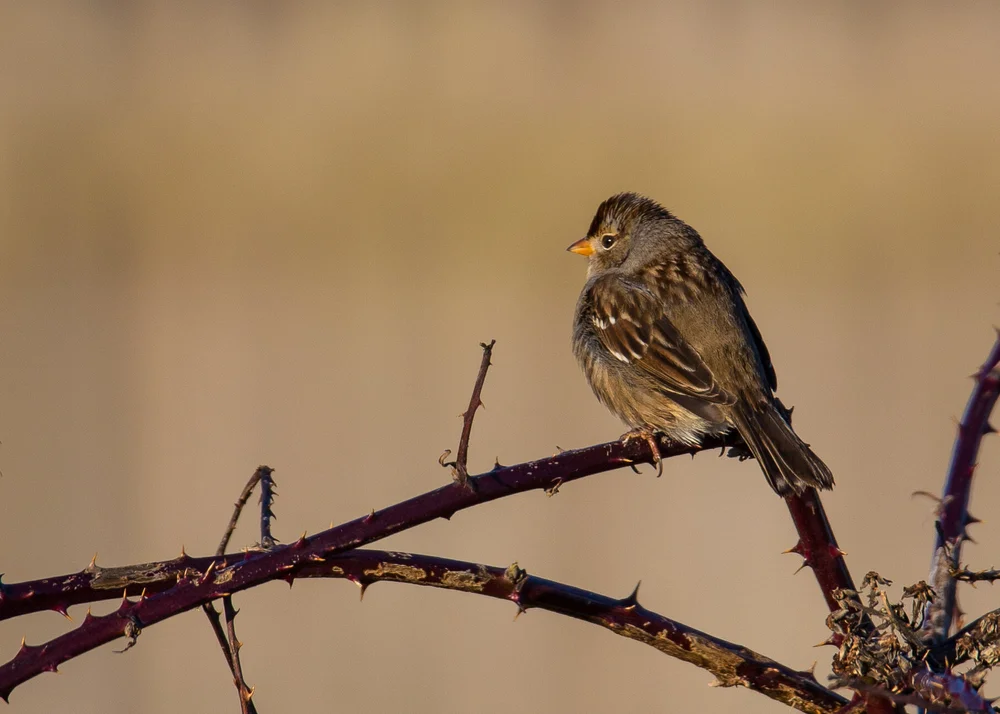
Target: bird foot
(649,436)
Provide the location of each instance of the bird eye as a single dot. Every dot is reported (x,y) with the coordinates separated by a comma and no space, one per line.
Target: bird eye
(608,240)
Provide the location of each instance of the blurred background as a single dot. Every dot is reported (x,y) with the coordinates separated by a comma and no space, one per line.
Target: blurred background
(234,234)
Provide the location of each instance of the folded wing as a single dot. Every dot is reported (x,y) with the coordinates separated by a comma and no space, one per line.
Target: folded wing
(630,323)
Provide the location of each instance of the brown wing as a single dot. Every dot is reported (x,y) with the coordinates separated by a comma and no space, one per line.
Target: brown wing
(630,323)
(739,296)
(765,356)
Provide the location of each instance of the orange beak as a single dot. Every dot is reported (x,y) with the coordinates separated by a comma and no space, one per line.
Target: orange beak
(582,247)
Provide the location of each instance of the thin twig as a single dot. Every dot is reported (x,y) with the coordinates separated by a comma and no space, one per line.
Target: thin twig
(459,466)
(230,644)
(245,691)
(215,619)
(241,502)
(951,526)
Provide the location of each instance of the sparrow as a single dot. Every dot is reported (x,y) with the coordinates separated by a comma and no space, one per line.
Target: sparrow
(666,342)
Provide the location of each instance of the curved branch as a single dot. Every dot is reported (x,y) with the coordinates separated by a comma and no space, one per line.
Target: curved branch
(733,665)
(95,583)
(173,586)
(954,515)
(183,583)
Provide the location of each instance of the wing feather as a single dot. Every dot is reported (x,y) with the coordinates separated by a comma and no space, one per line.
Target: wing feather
(630,323)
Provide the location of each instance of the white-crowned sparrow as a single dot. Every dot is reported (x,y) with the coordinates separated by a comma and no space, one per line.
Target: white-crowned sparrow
(667,344)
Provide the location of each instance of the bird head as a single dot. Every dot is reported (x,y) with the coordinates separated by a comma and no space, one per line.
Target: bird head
(623,223)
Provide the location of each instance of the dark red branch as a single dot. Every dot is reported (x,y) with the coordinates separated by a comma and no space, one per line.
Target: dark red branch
(818,546)
(954,514)
(247,570)
(733,665)
(236,572)
(96,583)
(819,550)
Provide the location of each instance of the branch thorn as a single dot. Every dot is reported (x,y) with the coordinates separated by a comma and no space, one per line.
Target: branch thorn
(633,597)
(208,572)
(798,549)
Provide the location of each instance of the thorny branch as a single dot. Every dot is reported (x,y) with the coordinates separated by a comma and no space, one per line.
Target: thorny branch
(819,550)
(460,466)
(891,662)
(818,546)
(267,495)
(95,582)
(235,667)
(954,518)
(244,691)
(177,585)
(733,665)
(905,657)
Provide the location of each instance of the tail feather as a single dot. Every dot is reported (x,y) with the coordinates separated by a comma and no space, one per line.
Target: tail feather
(789,465)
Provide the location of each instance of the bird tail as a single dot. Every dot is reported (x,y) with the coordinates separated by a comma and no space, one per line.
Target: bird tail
(788,463)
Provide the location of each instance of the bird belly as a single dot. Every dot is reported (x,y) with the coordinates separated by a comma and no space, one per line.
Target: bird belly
(640,404)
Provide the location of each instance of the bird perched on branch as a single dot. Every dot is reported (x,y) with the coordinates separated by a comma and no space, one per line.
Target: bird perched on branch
(667,344)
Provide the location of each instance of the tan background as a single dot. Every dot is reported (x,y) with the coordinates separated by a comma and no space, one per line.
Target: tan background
(268,232)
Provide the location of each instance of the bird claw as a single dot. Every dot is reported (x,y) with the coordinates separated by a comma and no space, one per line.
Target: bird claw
(649,436)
